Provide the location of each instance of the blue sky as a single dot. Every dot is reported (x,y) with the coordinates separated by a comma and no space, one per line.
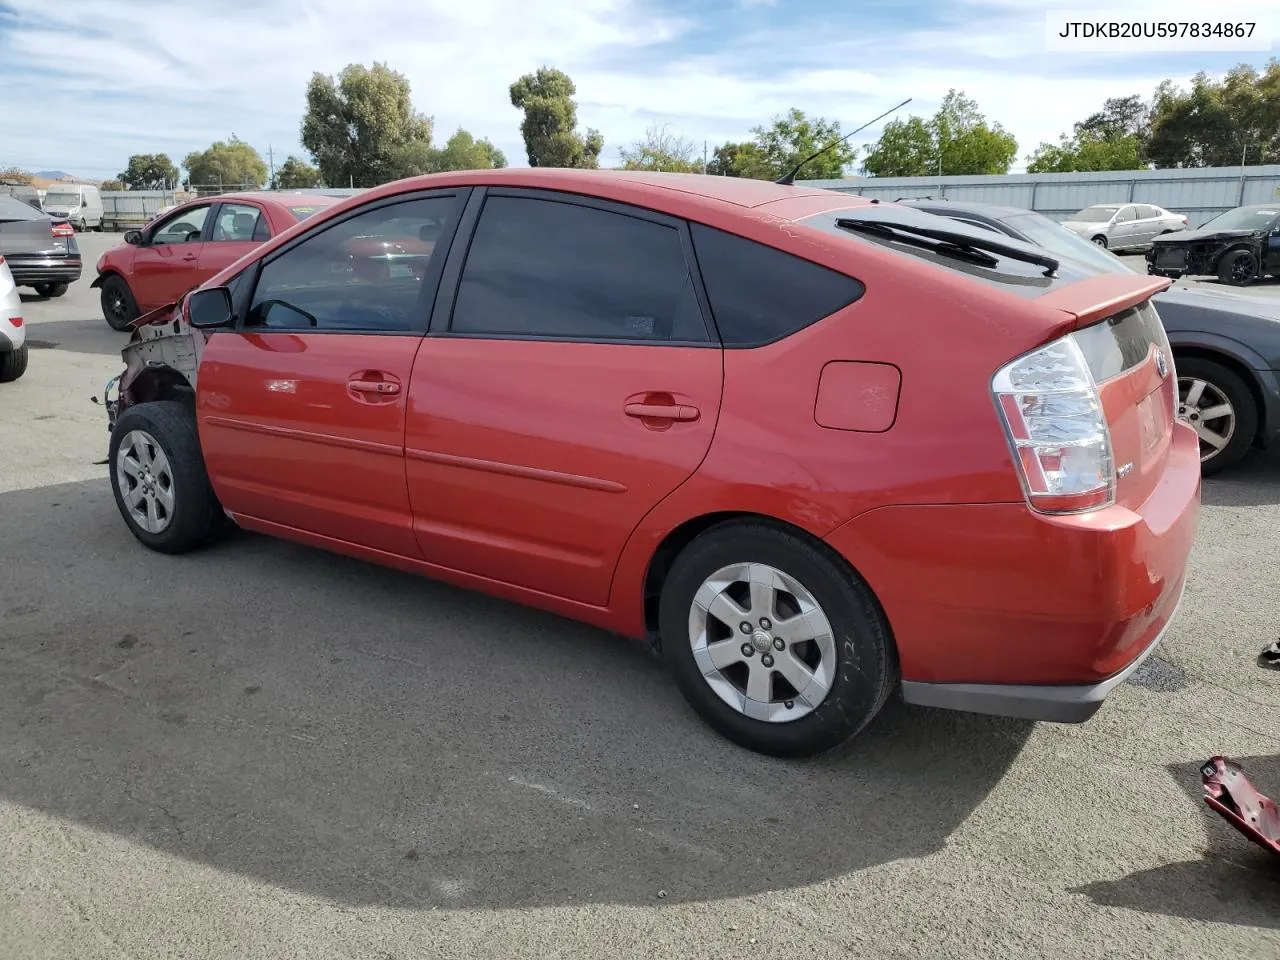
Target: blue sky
(86,83)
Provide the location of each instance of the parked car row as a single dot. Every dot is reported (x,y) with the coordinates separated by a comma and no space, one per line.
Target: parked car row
(1124,226)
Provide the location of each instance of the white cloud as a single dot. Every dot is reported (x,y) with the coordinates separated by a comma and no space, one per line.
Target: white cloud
(175,82)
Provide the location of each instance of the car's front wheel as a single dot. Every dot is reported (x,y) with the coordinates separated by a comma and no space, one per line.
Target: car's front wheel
(1219,406)
(1237,268)
(774,640)
(13,364)
(159,479)
(118,306)
(1101,241)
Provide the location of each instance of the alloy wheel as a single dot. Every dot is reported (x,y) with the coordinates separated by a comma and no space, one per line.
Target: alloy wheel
(1209,412)
(145,480)
(762,642)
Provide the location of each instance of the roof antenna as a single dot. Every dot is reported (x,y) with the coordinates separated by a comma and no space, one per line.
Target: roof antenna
(790,178)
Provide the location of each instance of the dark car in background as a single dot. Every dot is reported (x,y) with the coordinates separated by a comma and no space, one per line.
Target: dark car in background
(1226,345)
(41,250)
(22,191)
(1238,247)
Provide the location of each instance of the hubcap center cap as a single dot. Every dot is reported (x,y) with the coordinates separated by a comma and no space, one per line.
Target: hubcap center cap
(761,640)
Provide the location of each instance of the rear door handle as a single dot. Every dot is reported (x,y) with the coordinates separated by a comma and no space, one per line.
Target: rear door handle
(661,411)
(190,257)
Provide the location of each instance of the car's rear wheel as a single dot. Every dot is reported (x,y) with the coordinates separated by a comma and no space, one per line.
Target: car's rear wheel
(159,479)
(118,306)
(13,364)
(1238,268)
(774,640)
(51,289)
(1219,406)
(1101,241)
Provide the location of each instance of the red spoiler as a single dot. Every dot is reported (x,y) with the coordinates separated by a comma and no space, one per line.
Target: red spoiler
(1099,297)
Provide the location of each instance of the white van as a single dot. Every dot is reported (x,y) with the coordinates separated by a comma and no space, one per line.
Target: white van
(81,203)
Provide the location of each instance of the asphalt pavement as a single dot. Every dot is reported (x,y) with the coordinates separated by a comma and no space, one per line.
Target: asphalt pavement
(262,750)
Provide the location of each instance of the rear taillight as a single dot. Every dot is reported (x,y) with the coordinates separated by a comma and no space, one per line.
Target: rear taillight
(16,321)
(63,230)
(1056,427)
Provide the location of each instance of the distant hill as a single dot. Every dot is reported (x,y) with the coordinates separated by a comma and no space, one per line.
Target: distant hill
(55,175)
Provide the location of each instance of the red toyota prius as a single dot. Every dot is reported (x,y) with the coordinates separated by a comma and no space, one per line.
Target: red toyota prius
(816,449)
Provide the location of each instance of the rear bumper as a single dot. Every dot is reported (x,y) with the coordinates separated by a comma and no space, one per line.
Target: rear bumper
(30,271)
(997,609)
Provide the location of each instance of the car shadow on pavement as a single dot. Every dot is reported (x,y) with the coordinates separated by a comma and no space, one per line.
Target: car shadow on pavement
(77,336)
(346,731)
(1235,881)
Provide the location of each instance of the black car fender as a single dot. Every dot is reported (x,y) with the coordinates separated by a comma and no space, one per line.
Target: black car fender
(1257,248)
(1247,362)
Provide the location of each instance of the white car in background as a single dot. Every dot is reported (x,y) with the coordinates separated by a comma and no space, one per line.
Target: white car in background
(1124,226)
(13,333)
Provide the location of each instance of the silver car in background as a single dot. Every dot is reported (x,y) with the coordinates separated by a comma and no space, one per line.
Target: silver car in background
(1124,226)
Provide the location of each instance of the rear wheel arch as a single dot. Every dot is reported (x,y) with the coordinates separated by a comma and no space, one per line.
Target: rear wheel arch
(1240,369)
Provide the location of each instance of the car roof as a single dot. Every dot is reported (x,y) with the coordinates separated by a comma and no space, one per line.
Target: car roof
(282,199)
(992,210)
(732,191)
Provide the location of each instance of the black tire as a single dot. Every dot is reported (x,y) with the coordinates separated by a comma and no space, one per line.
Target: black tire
(1228,383)
(866,667)
(51,289)
(13,364)
(196,516)
(119,308)
(1237,268)
(1100,240)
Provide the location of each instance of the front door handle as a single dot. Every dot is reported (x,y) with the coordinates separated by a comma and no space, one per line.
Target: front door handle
(376,387)
(661,411)
(190,257)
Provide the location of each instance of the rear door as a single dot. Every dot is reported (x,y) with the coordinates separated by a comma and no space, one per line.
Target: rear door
(301,410)
(237,229)
(165,267)
(569,383)
(1125,228)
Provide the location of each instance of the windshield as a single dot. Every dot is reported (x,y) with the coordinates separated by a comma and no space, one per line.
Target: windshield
(61,199)
(1243,218)
(1094,214)
(1057,239)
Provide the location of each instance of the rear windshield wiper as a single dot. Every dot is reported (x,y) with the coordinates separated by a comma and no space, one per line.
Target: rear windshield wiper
(951,243)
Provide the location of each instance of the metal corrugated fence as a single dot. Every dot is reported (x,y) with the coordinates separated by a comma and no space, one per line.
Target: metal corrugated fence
(1199,193)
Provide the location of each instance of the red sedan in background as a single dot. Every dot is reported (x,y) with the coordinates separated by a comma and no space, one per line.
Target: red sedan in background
(189,244)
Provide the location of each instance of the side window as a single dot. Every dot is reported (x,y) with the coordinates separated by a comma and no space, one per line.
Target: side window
(262,231)
(362,274)
(760,294)
(1146,212)
(1125,215)
(543,268)
(236,223)
(186,227)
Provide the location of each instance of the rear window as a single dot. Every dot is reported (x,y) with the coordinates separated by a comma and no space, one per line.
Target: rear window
(1010,273)
(760,294)
(301,211)
(1121,342)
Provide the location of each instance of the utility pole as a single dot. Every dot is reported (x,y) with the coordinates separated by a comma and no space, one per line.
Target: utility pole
(271,159)
(704,158)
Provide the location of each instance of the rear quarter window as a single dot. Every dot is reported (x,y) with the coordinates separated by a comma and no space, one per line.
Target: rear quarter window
(759,294)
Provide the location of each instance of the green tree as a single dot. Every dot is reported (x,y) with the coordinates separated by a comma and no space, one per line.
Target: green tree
(740,160)
(296,174)
(550,121)
(793,137)
(1087,152)
(955,141)
(462,151)
(112,185)
(661,151)
(1218,121)
(227,163)
(149,171)
(359,126)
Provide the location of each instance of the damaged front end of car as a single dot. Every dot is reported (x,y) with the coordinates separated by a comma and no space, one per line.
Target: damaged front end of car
(161,362)
(1228,792)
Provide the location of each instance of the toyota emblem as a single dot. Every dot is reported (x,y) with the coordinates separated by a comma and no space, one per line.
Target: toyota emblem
(1162,365)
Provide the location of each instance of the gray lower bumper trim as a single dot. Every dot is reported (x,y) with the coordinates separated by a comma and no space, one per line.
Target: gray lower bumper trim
(1068,703)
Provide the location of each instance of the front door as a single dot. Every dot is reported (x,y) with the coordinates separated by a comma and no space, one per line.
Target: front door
(575,385)
(1125,228)
(301,410)
(238,228)
(164,268)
